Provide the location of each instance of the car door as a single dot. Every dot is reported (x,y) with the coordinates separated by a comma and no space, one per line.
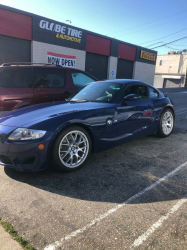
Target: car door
(15,88)
(80,79)
(50,84)
(135,116)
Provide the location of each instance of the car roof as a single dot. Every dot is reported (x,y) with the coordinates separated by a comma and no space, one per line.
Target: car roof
(123,81)
(41,65)
(35,65)
(127,81)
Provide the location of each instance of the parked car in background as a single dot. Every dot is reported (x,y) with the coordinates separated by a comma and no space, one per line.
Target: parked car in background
(101,115)
(25,84)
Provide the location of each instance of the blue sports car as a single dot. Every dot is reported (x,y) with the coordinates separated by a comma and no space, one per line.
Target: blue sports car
(101,115)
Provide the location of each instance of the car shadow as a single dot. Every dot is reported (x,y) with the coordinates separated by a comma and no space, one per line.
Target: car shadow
(117,174)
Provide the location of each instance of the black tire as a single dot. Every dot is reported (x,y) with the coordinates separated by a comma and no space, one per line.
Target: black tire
(59,163)
(160,131)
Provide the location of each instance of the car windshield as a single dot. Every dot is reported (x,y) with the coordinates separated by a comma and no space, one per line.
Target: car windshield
(98,92)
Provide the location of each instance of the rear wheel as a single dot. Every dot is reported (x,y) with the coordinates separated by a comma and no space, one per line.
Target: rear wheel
(166,123)
(71,149)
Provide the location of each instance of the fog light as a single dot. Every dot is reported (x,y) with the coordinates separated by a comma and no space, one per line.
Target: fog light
(41,146)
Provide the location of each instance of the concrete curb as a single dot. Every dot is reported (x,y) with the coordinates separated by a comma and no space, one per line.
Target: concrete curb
(6,241)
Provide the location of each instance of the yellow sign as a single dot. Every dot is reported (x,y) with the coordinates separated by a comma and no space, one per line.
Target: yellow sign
(147,56)
(73,39)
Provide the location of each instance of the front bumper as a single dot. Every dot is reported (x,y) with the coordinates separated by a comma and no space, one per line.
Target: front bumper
(24,156)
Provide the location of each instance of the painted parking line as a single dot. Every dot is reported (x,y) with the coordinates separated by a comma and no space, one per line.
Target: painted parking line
(175,93)
(180,110)
(56,245)
(141,239)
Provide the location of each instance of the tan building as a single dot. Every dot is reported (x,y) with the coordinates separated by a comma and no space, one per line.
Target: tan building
(170,70)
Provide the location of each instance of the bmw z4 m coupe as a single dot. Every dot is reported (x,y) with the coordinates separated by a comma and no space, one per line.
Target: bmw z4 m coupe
(101,115)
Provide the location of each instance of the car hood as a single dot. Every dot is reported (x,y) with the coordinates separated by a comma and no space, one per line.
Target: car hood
(37,113)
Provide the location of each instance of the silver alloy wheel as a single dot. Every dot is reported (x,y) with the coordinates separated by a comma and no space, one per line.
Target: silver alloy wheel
(73,149)
(167,123)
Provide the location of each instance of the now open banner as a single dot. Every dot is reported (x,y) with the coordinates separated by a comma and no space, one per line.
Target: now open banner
(63,60)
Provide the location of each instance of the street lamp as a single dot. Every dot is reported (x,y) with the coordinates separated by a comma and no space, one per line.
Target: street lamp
(68,21)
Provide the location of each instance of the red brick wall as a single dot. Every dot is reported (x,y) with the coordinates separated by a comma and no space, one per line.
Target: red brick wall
(15,25)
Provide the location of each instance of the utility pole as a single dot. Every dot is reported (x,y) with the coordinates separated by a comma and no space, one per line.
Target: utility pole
(181,65)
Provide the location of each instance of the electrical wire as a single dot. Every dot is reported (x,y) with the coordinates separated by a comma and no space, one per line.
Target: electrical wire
(174,48)
(180,45)
(147,22)
(154,44)
(170,42)
(153,26)
(171,48)
(164,36)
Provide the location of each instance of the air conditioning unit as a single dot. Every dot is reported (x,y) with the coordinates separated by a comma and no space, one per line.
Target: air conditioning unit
(171,52)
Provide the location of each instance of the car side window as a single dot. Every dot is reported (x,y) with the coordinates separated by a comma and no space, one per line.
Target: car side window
(16,78)
(49,78)
(153,93)
(128,91)
(139,90)
(80,79)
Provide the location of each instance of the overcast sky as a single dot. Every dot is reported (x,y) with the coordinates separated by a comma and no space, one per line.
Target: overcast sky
(147,23)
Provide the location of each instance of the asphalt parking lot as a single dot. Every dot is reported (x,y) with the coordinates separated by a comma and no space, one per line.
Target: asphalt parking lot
(130,197)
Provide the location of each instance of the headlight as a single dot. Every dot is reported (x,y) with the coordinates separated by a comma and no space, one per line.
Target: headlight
(23,134)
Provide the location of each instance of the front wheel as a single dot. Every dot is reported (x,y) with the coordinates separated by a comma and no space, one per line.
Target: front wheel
(71,149)
(166,123)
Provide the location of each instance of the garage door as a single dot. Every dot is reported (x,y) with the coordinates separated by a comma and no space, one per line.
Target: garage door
(124,69)
(171,83)
(97,65)
(14,50)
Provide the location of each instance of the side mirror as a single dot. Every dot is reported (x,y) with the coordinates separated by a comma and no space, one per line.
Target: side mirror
(130,97)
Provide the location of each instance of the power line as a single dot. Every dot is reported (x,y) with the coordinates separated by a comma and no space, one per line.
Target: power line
(153,26)
(154,44)
(170,42)
(164,36)
(163,43)
(171,48)
(147,22)
(180,45)
(175,45)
